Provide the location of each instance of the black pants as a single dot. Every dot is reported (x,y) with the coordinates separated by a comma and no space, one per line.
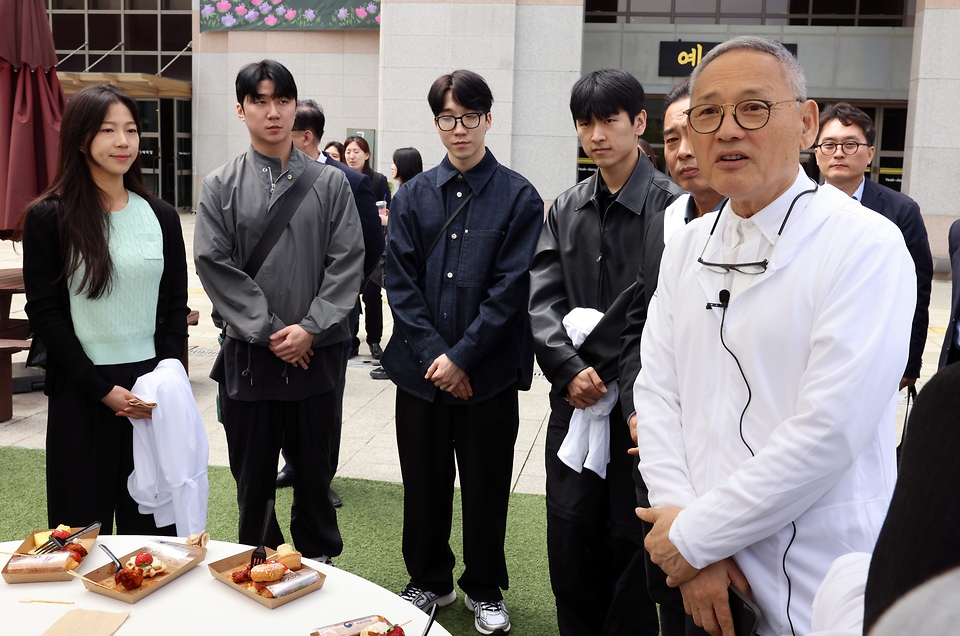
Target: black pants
(372,312)
(82,431)
(482,436)
(595,540)
(254,432)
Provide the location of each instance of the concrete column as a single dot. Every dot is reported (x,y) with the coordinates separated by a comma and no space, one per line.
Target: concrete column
(932,152)
(527,50)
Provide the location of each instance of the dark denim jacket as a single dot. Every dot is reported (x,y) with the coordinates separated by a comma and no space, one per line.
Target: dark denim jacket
(469,300)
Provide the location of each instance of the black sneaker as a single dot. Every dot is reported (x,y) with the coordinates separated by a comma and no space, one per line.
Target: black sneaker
(379,373)
(375,350)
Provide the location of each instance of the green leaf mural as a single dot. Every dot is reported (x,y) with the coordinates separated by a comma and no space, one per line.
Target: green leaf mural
(288,15)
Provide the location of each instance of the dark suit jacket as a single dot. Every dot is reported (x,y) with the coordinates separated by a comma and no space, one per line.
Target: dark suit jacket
(905,212)
(369,216)
(950,352)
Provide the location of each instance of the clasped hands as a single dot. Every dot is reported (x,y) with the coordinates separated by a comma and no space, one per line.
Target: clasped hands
(448,377)
(293,344)
(705,595)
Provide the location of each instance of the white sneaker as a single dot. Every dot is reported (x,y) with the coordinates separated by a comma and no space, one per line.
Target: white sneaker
(489,616)
(425,599)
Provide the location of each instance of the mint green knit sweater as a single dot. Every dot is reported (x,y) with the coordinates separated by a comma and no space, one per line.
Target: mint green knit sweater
(119,326)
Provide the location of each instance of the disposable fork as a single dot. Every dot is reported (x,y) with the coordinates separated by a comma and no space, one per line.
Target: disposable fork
(259,555)
(53,544)
(113,558)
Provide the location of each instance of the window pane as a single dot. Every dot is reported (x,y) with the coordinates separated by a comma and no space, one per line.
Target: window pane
(148,116)
(704,20)
(778,6)
(894,128)
(175,5)
(741,6)
(67,4)
(637,19)
(697,6)
(650,6)
(181,69)
(150,152)
(184,154)
(835,6)
(141,5)
(882,7)
(68,31)
(175,31)
(141,32)
(184,191)
(104,31)
(141,64)
(152,183)
(104,5)
(891,172)
(109,64)
(184,115)
(730,20)
(832,22)
(75,64)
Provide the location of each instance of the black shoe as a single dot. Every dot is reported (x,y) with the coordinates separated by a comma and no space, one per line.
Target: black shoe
(379,373)
(354,351)
(375,350)
(335,499)
(284,479)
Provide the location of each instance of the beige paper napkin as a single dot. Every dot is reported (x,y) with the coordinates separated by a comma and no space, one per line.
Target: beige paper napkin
(81,622)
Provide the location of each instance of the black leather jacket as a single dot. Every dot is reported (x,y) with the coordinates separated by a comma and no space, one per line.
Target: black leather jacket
(582,261)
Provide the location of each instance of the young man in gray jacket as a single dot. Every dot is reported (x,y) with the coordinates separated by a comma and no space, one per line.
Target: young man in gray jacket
(280,362)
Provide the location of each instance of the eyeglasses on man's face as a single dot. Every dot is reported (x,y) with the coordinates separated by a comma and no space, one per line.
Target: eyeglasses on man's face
(849,147)
(446,123)
(750,114)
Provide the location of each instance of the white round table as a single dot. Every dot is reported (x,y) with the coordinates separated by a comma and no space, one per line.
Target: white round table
(196,603)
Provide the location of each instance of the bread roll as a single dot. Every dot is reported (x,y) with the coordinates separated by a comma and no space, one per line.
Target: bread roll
(267,572)
(288,556)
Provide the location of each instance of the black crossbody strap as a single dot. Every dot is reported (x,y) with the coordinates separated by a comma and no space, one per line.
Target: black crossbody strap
(439,236)
(288,208)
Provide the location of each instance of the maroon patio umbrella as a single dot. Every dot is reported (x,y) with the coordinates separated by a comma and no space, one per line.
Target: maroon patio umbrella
(31,105)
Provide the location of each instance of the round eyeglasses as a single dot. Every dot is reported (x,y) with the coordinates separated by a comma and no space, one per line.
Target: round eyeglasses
(446,123)
(750,114)
(849,147)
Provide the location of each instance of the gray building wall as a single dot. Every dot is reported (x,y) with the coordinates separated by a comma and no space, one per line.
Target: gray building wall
(527,50)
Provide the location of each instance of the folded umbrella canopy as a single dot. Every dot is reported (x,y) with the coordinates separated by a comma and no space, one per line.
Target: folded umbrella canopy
(31,106)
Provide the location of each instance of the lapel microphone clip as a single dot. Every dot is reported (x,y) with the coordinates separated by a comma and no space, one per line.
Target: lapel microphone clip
(724,300)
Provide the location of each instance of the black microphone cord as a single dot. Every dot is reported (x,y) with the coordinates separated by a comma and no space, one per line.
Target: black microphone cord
(724,301)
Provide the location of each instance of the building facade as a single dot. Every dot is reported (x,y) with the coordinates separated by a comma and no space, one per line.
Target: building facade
(888,57)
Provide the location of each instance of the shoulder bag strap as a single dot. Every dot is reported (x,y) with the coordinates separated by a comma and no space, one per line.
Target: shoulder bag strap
(288,208)
(439,236)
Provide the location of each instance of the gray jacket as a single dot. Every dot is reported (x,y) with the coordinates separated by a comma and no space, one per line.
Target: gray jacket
(311,276)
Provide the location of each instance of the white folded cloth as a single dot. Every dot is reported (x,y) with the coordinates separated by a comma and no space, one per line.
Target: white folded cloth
(587,443)
(838,604)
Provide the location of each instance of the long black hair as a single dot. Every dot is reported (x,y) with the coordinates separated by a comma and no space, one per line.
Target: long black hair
(83,221)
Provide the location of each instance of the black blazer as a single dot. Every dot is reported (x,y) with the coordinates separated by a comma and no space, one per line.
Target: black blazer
(905,213)
(48,299)
(950,353)
(369,216)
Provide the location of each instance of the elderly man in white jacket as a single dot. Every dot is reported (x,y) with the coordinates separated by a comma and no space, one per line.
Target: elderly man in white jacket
(771,357)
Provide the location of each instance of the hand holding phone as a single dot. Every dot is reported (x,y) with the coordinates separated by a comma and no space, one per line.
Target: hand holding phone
(746,614)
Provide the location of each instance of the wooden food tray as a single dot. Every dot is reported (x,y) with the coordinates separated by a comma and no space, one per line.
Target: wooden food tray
(222,569)
(104,576)
(86,540)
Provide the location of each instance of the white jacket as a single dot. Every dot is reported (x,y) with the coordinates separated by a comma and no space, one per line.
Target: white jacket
(170,452)
(822,336)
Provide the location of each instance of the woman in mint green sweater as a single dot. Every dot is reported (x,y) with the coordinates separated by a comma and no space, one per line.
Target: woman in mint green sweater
(104,269)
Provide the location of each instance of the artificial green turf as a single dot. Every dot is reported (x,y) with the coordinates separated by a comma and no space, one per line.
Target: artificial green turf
(370,522)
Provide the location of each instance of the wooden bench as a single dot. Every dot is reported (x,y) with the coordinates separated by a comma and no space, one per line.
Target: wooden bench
(7,349)
(193,319)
